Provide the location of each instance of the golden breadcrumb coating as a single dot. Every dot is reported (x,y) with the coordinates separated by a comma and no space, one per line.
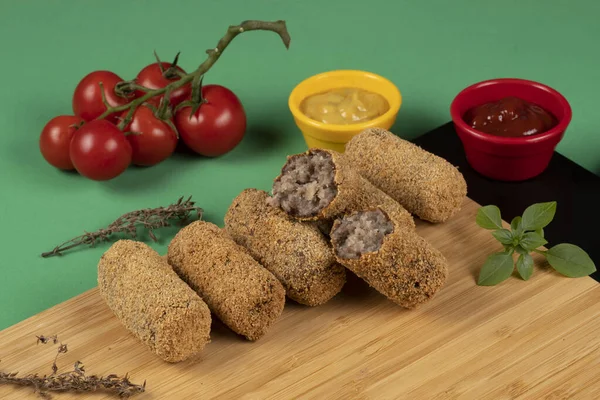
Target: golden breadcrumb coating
(351,191)
(152,302)
(238,290)
(405,268)
(296,252)
(426,185)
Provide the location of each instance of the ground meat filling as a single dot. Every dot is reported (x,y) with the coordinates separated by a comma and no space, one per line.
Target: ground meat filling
(306,184)
(360,233)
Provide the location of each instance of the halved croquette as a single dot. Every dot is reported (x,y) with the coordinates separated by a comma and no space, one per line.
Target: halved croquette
(392,259)
(321,185)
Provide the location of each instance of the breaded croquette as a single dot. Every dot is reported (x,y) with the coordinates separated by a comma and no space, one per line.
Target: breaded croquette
(296,252)
(238,290)
(426,185)
(396,261)
(322,185)
(152,302)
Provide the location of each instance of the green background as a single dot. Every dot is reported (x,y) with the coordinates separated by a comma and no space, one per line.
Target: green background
(430,49)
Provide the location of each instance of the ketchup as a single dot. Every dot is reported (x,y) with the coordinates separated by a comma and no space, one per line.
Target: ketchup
(510,117)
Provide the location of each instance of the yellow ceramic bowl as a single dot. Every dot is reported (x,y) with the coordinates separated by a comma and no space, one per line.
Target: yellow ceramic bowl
(332,136)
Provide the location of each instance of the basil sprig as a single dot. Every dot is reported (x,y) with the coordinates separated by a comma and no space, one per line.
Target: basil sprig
(526,235)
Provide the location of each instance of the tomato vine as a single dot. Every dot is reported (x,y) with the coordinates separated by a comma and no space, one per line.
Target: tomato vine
(126,88)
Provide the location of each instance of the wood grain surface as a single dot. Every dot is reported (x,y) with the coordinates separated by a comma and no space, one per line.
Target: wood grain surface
(519,340)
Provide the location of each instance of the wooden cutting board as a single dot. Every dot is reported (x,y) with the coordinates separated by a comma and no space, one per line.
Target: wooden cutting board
(519,340)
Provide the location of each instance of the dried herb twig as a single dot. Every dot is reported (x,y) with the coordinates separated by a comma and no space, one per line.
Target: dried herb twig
(46,339)
(150,219)
(72,381)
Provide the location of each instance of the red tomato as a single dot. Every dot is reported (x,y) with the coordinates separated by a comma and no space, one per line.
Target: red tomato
(217,126)
(100,151)
(151,139)
(56,138)
(152,78)
(87,99)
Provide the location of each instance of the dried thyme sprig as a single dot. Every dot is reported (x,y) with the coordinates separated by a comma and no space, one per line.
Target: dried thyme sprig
(149,218)
(72,381)
(46,339)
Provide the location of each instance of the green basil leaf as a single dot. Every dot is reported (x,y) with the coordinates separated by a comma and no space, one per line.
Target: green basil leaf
(540,232)
(521,250)
(504,236)
(525,266)
(515,224)
(488,217)
(532,241)
(570,260)
(497,268)
(538,215)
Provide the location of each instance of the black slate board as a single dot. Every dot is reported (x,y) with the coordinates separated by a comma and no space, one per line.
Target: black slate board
(575,189)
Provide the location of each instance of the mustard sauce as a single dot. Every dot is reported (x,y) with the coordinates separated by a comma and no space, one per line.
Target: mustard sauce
(344,106)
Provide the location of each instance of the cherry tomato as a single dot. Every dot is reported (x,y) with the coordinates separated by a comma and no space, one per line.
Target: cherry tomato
(151,139)
(56,138)
(87,98)
(100,151)
(217,126)
(152,77)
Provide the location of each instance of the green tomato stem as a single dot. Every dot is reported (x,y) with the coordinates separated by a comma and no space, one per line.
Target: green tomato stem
(233,31)
(196,95)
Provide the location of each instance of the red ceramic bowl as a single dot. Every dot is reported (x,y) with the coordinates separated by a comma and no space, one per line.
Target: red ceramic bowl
(508,158)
